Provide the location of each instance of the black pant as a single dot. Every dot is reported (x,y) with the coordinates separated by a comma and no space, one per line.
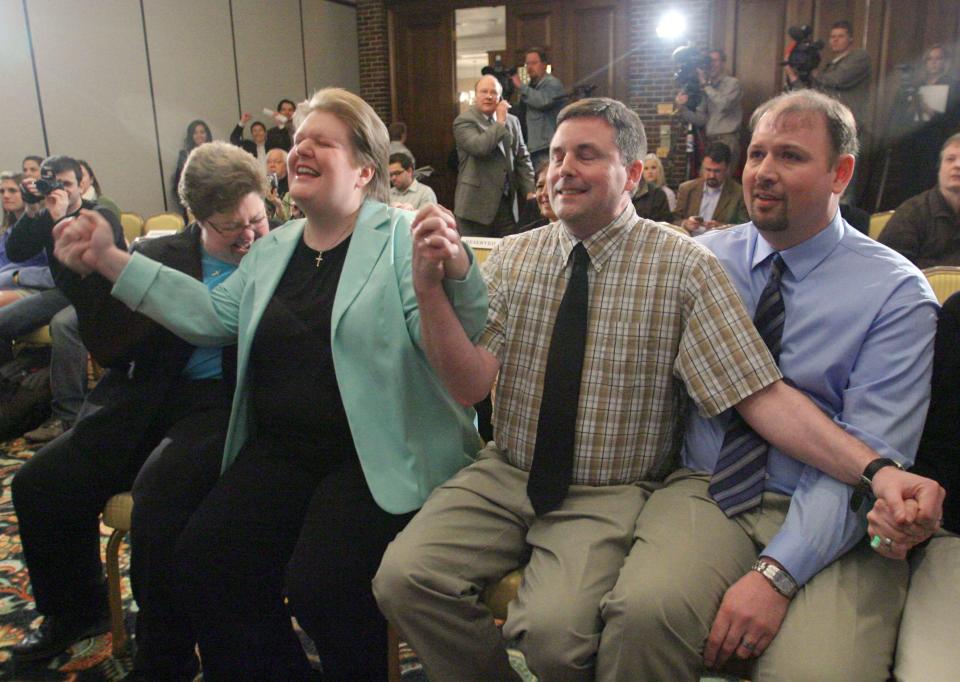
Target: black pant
(59,494)
(172,483)
(274,526)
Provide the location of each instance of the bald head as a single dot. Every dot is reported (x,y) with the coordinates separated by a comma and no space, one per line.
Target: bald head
(277,162)
(488,93)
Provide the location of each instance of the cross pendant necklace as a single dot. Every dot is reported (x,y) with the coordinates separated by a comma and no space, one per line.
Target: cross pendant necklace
(319,258)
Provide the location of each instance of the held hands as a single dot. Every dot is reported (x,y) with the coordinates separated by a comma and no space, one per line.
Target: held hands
(437,251)
(82,242)
(749,618)
(907,511)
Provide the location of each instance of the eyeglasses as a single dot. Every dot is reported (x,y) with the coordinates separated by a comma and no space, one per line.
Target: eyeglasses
(229,230)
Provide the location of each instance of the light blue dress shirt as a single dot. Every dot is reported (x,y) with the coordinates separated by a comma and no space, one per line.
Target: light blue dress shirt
(858,341)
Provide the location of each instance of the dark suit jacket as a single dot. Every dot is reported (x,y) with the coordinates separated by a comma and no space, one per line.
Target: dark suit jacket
(249,146)
(484,165)
(651,203)
(278,138)
(143,360)
(730,207)
(939,454)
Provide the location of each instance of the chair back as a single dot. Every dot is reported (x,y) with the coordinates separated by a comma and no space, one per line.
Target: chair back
(132,225)
(878,221)
(164,221)
(482,246)
(945,280)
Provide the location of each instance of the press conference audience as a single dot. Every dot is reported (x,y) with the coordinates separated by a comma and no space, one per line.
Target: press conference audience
(398,140)
(714,199)
(650,202)
(31,167)
(281,135)
(339,428)
(405,189)
(18,279)
(160,395)
(720,110)
(926,228)
(257,144)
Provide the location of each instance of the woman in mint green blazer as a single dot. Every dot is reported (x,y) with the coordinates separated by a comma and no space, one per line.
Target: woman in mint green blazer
(339,427)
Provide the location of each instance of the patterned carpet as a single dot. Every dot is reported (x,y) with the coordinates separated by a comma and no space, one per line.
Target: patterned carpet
(89,660)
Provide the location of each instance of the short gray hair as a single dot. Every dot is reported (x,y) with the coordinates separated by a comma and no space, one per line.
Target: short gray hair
(840,123)
(371,141)
(628,132)
(216,177)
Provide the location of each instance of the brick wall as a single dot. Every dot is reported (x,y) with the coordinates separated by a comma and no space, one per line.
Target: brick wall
(650,73)
(374,56)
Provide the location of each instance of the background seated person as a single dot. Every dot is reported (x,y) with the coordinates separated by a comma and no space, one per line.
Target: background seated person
(158,389)
(18,280)
(406,190)
(653,173)
(339,429)
(926,228)
(714,199)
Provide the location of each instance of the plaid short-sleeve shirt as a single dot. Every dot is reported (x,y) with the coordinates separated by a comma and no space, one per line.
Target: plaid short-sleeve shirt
(664,323)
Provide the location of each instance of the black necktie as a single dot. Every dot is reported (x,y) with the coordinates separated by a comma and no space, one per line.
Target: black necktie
(738,478)
(552,466)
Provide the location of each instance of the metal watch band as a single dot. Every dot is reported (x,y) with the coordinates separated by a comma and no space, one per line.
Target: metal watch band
(778,578)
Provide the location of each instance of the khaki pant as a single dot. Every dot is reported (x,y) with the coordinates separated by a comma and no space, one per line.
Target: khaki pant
(841,626)
(929,646)
(479,526)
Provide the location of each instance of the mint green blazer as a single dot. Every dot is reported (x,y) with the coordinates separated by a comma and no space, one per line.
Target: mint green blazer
(409,432)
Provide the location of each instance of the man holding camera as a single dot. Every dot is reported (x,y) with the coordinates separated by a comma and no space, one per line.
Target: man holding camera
(720,111)
(543,98)
(281,135)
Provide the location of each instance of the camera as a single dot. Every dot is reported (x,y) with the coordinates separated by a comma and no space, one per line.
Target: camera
(503,74)
(274,181)
(45,185)
(690,61)
(804,56)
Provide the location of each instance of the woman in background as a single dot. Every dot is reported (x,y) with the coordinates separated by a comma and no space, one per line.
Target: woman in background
(18,280)
(198,132)
(653,173)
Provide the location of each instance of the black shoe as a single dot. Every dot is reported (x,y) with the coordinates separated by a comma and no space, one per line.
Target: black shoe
(55,635)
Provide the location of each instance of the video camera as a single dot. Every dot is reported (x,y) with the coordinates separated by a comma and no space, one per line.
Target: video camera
(45,185)
(503,74)
(804,55)
(690,61)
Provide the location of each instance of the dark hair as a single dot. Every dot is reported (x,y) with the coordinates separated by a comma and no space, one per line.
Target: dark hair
(93,176)
(628,132)
(397,130)
(403,159)
(723,55)
(286,101)
(61,164)
(258,123)
(719,152)
(16,178)
(188,142)
(841,126)
(38,159)
(541,169)
(844,24)
(540,53)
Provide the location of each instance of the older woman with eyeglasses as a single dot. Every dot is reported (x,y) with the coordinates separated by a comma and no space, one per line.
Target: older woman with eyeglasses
(340,428)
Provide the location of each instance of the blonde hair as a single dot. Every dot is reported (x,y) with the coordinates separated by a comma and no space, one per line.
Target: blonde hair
(660,180)
(216,177)
(371,141)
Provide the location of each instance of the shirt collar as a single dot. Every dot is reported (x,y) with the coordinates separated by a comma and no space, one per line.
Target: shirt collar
(805,256)
(602,243)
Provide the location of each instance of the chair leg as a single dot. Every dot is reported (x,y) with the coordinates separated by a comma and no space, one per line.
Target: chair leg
(113,586)
(393,654)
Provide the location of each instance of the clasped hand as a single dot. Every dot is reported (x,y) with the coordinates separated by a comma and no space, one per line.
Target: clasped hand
(437,251)
(80,242)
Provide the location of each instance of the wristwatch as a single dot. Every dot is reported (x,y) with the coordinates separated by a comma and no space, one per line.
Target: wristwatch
(864,487)
(782,581)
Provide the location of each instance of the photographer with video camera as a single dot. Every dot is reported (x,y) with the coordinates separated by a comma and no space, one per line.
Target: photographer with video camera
(543,98)
(719,108)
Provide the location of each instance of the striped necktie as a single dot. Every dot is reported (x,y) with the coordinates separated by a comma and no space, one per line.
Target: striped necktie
(738,478)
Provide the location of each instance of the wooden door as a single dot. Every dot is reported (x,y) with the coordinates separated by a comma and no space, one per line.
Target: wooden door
(422,63)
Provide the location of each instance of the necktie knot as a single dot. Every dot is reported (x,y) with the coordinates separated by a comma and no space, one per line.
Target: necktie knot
(581,259)
(777,267)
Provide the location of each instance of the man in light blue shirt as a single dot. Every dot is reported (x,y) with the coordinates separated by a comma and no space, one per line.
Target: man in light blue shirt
(856,336)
